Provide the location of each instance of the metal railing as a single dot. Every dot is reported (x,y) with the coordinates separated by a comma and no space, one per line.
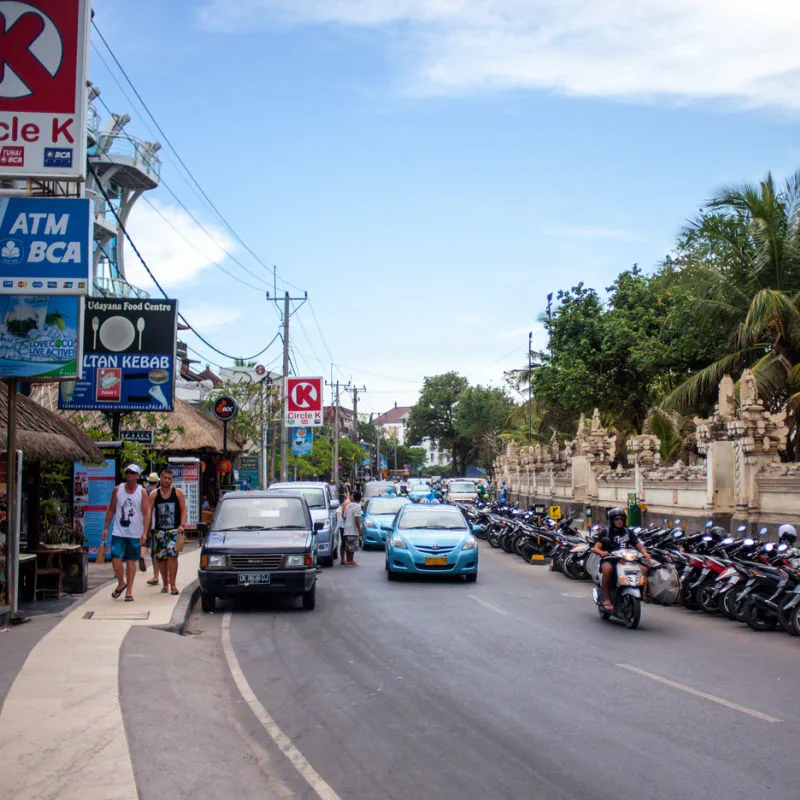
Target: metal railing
(118,287)
(141,153)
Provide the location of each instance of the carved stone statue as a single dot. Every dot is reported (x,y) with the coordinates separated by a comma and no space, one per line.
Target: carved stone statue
(727,398)
(748,392)
(597,426)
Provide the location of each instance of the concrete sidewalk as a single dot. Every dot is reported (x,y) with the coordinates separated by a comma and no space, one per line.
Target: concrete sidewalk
(61,729)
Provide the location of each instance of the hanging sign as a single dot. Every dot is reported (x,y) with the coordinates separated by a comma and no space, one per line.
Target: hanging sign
(45,244)
(43,88)
(302,441)
(303,402)
(225,408)
(128,357)
(39,337)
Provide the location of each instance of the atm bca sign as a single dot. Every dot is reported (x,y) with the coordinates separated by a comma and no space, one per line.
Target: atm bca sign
(303,402)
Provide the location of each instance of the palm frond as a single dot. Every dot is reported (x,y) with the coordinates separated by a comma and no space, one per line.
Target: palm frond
(771,312)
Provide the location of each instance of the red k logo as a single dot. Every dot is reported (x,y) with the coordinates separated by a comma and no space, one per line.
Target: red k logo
(304,396)
(38,55)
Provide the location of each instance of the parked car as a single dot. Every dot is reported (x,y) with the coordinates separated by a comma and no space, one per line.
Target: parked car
(378,489)
(260,543)
(431,540)
(323,507)
(461,491)
(379,519)
(421,491)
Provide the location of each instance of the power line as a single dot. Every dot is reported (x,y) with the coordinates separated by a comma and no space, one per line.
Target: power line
(181,161)
(158,285)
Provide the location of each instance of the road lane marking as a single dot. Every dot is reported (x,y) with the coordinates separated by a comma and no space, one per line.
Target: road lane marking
(488,605)
(284,743)
(704,695)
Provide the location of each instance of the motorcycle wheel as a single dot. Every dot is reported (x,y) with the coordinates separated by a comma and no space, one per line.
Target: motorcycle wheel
(740,609)
(796,619)
(508,543)
(631,611)
(728,603)
(758,618)
(706,599)
(574,569)
(785,617)
(495,539)
(689,599)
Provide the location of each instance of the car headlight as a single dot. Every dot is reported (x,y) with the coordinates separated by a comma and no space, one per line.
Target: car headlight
(470,544)
(370,523)
(217,562)
(295,560)
(399,542)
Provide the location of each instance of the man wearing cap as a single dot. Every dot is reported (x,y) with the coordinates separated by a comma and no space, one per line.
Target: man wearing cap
(152,485)
(130,511)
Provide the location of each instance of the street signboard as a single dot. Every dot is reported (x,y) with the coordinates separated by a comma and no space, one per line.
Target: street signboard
(302,441)
(44,54)
(40,337)
(137,437)
(303,402)
(45,245)
(128,357)
(225,408)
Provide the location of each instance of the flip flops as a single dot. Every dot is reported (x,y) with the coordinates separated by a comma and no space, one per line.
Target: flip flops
(174,591)
(152,583)
(118,591)
(128,598)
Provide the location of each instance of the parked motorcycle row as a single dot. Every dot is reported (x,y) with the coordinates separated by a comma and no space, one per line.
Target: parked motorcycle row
(748,579)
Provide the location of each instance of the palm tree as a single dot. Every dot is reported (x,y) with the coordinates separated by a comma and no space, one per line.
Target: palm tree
(742,255)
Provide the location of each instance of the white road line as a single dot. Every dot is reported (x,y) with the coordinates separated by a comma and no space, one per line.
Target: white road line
(287,747)
(704,695)
(488,605)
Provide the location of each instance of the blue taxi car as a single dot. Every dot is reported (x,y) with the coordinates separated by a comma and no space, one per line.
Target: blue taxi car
(431,540)
(420,491)
(379,518)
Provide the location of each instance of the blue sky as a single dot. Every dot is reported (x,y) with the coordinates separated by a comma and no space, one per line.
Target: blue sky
(430,169)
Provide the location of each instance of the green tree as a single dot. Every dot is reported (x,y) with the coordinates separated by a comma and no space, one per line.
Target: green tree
(481,415)
(432,416)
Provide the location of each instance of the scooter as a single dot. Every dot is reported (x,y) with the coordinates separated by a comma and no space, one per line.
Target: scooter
(626,590)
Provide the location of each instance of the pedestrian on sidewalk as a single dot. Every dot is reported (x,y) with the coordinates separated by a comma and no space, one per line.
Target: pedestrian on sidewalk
(352,529)
(168,506)
(340,523)
(152,484)
(130,512)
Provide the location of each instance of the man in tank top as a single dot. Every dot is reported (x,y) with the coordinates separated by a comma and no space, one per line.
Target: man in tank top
(168,507)
(130,513)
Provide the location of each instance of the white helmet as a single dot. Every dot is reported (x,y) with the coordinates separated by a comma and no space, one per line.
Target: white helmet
(787,533)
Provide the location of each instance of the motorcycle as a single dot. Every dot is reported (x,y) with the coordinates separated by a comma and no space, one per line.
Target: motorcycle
(626,589)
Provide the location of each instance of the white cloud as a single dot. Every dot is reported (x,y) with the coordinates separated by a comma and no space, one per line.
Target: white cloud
(733,50)
(175,248)
(209,316)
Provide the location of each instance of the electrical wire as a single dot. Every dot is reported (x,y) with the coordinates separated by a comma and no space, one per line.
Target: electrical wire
(167,140)
(160,288)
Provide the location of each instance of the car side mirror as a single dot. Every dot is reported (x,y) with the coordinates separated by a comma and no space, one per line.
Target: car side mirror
(318,526)
(334,505)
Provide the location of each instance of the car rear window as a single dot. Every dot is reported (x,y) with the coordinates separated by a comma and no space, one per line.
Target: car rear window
(462,487)
(260,513)
(377,489)
(314,497)
(387,505)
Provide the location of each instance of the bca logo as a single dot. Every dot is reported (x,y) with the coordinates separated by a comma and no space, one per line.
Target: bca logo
(304,396)
(38,56)
(12,157)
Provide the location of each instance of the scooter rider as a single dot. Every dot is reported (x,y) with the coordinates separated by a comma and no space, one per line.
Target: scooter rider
(615,537)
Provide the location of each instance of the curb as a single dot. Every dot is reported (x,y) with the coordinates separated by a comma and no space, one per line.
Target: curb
(182,611)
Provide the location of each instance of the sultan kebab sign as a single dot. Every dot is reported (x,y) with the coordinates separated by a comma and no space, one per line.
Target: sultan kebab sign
(303,402)
(43,93)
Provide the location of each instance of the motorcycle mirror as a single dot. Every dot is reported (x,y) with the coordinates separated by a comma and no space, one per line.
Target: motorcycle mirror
(742,528)
(637,530)
(748,542)
(709,524)
(762,532)
(677,534)
(676,523)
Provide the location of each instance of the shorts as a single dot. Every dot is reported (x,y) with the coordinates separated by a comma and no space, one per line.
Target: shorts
(125,548)
(350,544)
(164,544)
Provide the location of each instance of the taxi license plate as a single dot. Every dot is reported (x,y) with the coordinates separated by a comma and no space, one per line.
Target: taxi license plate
(254,577)
(436,562)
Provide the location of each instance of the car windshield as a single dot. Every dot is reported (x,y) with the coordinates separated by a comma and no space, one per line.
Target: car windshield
(433,518)
(461,487)
(260,514)
(314,497)
(377,489)
(387,505)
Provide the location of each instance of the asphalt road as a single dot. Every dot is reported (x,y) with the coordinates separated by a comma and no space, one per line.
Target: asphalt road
(510,687)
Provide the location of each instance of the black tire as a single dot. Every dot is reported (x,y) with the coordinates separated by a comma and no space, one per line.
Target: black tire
(758,617)
(740,609)
(391,576)
(471,578)
(574,569)
(785,617)
(208,602)
(508,543)
(689,598)
(631,608)
(326,561)
(796,619)
(310,599)
(729,600)
(707,601)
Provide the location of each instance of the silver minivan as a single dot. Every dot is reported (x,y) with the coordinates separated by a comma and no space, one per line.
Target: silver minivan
(322,506)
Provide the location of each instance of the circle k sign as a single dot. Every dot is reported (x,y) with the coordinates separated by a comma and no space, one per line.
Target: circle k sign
(225,408)
(304,402)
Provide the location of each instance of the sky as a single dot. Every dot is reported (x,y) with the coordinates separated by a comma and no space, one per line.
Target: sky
(429,170)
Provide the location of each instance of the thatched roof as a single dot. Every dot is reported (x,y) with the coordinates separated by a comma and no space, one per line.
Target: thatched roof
(201,433)
(45,436)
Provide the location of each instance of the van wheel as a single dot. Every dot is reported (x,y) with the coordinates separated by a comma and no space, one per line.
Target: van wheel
(208,601)
(310,599)
(326,561)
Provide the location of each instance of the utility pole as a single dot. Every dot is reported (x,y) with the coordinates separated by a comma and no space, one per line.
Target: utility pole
(287,313)
(355,390)
(530,389)
(335,442)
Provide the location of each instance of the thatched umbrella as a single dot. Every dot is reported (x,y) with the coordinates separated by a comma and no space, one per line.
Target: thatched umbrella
(45,436)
